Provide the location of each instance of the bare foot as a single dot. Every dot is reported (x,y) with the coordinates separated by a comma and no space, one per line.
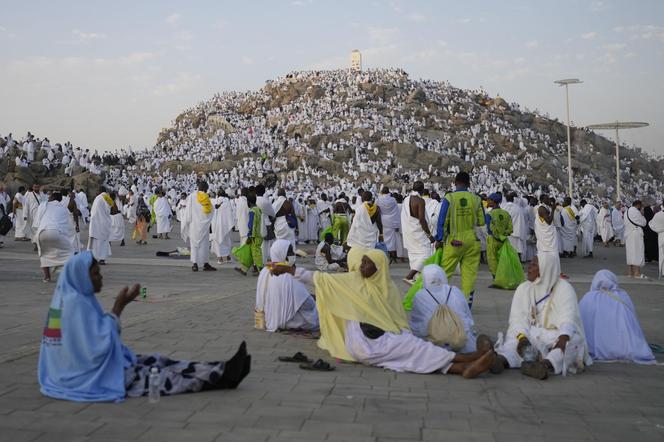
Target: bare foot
(480,366)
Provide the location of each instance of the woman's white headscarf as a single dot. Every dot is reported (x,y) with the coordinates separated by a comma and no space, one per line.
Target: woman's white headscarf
(434,278)
(279,250)
(549,274)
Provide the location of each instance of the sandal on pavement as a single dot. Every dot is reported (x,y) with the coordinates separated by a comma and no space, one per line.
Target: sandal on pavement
(297,357)
(319,365)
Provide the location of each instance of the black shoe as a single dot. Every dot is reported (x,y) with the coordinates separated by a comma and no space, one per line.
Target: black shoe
(194,268)
(208,268)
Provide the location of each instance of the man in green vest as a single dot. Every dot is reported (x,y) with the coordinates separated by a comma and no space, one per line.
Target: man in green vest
(460,212)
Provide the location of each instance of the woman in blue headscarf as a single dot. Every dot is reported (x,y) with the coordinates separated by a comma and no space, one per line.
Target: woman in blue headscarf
(82,357)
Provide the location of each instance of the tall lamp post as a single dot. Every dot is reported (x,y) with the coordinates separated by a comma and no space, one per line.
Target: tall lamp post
(566,82)
(617,125)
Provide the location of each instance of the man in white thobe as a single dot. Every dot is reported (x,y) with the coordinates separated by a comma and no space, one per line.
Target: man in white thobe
(222,226)
(618,224)
(366,229)
(100,227)
(196,227)
(657,226)
(568,226)
(20,220)
(242,216)
(268,218)
(544,320)
(163,214)
(417,237)
(284,211)
(32,200)
(519,227)
(587,224)
(604,226)
(391,219)
(634,245)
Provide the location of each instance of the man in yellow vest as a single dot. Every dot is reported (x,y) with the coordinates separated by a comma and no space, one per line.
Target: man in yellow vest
(460,212)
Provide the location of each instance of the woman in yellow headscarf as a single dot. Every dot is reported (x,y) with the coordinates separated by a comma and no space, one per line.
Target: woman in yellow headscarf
(361,319)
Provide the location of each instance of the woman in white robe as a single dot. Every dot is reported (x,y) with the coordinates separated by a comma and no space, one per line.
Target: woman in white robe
(436,291)
(545,315)
(285,301)
(609,319)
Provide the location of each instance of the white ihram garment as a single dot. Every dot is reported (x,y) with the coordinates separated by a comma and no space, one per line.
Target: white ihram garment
(363,233)
(404,352)
(547,237)
(222,226)
(604,226)
(657,226)
(54,235)
(618,224)
(391,218)
(100,228)
(285,301)
(163,214)
(519,227)
(196,230)
(587,225)
(415,240)
(634,246)
(543,310)
(568,229)
(242,215)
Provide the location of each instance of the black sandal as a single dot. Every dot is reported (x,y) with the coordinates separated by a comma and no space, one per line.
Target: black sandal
(297,357)
(319,365)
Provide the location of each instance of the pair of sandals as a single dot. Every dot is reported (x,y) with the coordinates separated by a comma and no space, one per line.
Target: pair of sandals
(206,268)
(307,364)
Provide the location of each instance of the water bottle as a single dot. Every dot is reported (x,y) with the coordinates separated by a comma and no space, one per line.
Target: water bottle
(530,353)
(153,385)
(144,292)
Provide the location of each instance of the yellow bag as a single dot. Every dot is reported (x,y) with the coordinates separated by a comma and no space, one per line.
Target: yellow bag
(445,327)
(259,319)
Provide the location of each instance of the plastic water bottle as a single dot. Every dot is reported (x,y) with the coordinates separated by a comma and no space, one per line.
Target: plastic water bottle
(530,353)
(153,385)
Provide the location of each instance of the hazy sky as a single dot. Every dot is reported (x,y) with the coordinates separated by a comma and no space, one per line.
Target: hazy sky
(108,74)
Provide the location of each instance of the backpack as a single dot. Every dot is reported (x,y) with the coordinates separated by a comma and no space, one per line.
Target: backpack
(445,327)
(5,222)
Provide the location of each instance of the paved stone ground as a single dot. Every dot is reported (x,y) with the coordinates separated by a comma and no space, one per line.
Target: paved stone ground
(205,316)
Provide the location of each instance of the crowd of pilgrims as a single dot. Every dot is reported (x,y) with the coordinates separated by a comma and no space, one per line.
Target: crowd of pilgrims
(355,309)
(359,228)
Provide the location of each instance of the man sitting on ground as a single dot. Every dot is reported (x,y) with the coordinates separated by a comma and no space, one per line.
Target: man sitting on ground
(329,257)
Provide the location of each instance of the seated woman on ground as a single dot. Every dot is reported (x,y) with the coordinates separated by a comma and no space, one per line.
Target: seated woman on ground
(612,328)
(361,319)
(284,301)
(431,320)
(545,334)
(82,357)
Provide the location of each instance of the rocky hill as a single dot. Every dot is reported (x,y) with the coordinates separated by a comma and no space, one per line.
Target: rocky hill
(334,121)
(323,128)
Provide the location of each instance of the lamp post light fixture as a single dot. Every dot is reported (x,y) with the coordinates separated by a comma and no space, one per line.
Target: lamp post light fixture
(617,125)
(566,82)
